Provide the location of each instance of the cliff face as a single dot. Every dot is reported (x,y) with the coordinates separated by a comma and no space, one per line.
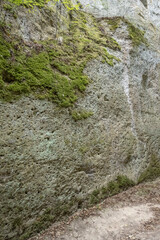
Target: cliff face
(96,112)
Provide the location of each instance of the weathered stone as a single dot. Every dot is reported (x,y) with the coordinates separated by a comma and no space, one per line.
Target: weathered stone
(48,160)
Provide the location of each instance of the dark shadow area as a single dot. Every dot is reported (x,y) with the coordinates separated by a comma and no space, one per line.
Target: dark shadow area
(145,3)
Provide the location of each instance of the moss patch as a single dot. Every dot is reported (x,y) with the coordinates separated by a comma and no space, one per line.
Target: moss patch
(114,187)
(136,35)
(38,74)
(81,114)
(114,23)
(51,70)
(7,7)
(30,3)
(153,170)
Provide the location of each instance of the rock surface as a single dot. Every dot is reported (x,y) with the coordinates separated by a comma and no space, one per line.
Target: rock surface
(47,158)
(131,215)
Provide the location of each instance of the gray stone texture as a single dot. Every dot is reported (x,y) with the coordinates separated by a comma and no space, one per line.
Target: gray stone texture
(46,157)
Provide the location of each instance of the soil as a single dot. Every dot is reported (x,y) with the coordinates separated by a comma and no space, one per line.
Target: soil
(130,215)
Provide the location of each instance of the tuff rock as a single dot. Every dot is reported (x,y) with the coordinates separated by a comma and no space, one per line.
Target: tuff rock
(50,161)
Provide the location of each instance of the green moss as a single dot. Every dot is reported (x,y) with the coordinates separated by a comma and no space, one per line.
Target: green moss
(56,71)
(11,8)
(81,114)
(35,74)
(94,198)
(30,3)
(7,7)
(42,3)
(152,171)
(45,219)
(4,49)
(25,236)
(109,58)
(136,35)
(17,222)
(91,35)
(114,187)
(114,23)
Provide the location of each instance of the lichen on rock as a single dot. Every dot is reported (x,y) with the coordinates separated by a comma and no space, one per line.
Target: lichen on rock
(79,110)
(51,70)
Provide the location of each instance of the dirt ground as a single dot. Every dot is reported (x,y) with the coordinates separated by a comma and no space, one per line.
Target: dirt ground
(130,215)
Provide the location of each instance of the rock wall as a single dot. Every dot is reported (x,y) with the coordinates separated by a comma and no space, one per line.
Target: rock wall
(33,25)
(50,161)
